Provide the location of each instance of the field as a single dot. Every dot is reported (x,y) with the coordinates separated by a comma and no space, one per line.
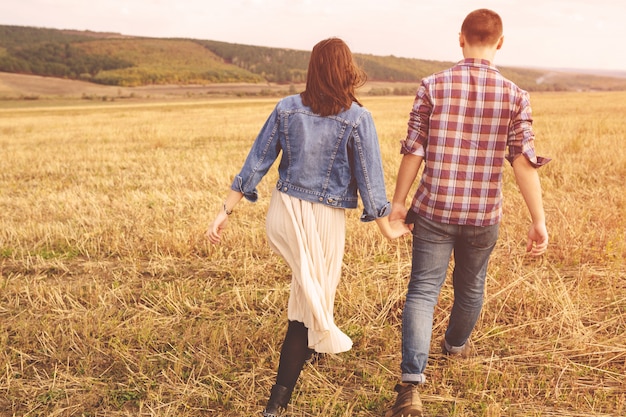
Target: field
(112,303)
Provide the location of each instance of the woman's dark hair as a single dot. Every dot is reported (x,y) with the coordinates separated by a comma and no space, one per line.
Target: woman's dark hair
(332,78)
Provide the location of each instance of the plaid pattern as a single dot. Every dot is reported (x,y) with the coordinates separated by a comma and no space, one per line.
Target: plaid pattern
(469,119)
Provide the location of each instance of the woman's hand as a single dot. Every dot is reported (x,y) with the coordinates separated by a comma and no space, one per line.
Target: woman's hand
(392,229)
(397,229)
(214,232)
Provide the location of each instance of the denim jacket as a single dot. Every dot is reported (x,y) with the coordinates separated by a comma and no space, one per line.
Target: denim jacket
(324,159)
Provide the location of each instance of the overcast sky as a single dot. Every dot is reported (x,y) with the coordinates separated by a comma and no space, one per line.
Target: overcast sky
(581,34)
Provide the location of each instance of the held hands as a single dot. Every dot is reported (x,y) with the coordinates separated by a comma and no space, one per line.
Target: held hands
(398,216)
(537,239)
(397,228)
(398,213)
(394,226)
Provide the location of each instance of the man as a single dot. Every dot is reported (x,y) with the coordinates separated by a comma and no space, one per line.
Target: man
(462,123)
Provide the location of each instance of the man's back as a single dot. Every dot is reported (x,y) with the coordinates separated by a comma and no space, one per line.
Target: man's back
(466,117)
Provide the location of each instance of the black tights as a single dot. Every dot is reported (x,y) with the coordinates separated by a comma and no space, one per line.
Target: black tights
(294,353)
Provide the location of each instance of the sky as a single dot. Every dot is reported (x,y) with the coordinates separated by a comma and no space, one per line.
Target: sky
(576,34)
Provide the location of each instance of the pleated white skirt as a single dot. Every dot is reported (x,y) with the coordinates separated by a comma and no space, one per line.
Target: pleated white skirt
(311,239)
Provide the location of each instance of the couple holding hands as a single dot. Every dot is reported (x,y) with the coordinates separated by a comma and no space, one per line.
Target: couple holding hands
(464,123)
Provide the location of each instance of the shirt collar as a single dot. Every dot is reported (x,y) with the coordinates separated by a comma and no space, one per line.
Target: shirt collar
(475,62)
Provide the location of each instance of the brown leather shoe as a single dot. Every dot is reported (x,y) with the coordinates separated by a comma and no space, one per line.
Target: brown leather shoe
(408,403)
(464,353)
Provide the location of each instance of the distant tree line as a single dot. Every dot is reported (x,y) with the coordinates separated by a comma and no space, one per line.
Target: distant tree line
(275,65)
(58,60)
(17,36)
(58,53)
(290,66)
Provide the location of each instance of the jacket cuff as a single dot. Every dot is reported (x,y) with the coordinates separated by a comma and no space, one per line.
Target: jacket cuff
(250,195)
(384,211)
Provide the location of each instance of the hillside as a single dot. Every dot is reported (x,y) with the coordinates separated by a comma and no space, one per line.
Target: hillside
(124,61)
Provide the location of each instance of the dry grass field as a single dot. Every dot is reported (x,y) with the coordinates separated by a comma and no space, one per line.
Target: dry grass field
(113,304)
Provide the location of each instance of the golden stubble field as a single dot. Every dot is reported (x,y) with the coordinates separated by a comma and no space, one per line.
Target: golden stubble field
(113,304)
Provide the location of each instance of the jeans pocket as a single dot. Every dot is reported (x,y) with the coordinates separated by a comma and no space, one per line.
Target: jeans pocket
(483,236)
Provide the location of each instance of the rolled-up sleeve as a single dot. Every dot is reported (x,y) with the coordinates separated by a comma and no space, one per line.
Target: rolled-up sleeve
(262,155)
(418,125)
(521,139)
(368,170)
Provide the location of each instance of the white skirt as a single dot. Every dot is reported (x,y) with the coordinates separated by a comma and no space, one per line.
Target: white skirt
(311,238)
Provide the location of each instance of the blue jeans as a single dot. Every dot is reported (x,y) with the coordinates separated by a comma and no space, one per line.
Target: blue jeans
(433,244)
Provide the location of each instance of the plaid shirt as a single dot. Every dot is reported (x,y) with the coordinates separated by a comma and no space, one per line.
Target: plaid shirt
(466,118)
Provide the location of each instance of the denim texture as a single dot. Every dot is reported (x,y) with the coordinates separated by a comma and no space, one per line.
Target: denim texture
(433,244)
(329,160)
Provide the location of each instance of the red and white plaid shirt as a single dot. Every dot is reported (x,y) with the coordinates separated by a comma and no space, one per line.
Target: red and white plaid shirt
(466,118)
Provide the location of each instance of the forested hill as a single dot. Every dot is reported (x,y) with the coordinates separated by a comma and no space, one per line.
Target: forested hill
(115,59)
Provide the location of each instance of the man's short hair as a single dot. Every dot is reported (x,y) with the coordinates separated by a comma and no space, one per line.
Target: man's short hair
(482,27)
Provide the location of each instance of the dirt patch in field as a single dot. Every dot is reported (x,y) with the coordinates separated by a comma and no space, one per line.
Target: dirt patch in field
(34,87)
(19,86)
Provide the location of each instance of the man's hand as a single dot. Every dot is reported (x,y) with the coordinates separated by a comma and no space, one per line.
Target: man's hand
(537,239)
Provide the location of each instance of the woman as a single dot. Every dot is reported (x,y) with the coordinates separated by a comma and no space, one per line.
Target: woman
(330,152)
